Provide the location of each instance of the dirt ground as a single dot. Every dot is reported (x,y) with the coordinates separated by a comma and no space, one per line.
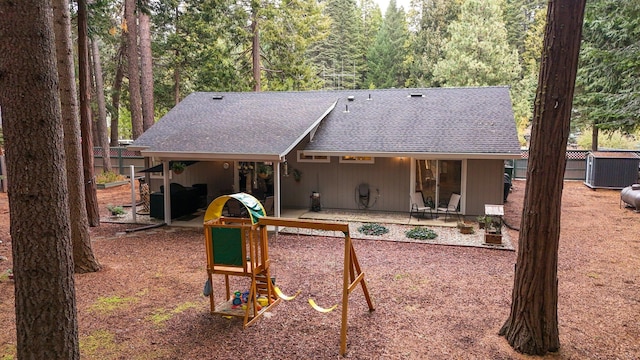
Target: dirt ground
(431,301)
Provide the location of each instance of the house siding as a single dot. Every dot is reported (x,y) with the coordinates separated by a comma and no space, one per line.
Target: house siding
(337,183)
(484,185)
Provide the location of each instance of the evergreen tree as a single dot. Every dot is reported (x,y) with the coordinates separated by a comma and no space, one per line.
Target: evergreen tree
(387,55)
(478,53)
(371,22)
(429,20)
(608,85)
(45,302)
(532,326)
(339,58)
(519,16)
(287,32)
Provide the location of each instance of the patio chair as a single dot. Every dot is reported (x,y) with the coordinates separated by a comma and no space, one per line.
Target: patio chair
(236,209)
(268,205)
(454,201)
(418,206)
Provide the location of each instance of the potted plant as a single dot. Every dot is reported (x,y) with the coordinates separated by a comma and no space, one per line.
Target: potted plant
(265,171)
(115,210)
(493,231)
(178,167)
(297,175)
(465,228)
(482,220)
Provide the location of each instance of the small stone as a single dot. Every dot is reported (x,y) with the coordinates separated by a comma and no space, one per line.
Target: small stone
(3,258)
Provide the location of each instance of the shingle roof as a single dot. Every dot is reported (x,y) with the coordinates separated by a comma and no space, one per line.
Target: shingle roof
(438,120)
(266,123)
(441,120)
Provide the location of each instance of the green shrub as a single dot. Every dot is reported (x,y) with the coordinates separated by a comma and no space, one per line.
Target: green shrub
(116,210)
(373,229)
(421,233)
(109,177)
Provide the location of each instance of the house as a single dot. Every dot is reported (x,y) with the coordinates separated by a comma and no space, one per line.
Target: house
(348,149)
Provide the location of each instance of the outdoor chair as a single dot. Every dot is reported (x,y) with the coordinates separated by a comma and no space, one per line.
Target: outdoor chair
(236,209)
(268,205)
(418,206)
(454,201)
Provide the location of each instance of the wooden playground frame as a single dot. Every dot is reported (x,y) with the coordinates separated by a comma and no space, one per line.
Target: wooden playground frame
(246,239)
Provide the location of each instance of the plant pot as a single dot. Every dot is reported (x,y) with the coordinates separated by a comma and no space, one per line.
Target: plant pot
(491,238)
(481,225)
(178,172)
(465,228)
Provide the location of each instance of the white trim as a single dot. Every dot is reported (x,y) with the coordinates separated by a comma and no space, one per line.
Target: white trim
(420,156)
(357,159)
(311,130)
(161,155)
(302,157)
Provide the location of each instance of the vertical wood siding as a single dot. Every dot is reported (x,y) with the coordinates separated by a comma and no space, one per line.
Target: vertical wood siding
(337,183)
(485,184)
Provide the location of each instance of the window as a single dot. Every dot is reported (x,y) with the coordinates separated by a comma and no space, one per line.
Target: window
(302,157)
(357,159)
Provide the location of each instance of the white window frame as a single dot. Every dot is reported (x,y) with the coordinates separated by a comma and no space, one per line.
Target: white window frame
(357,159)
(312,158)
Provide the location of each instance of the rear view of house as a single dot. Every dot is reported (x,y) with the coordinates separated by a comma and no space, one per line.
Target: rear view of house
(350,149)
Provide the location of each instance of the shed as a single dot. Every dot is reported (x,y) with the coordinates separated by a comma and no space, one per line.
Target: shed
(611,170)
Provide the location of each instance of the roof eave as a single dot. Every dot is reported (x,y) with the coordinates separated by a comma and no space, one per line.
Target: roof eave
(420,155)
(310,130)
(204,156)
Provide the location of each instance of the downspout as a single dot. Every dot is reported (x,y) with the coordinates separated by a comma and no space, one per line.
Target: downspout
(167,192)
(276,188)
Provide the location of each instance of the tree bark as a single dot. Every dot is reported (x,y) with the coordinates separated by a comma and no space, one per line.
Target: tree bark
(147,71)
(255,48)
(532,326)
(594,136)
(116,91)
(83,256)
(176,82)
(102,107)
(91,198)
(46,320)
(133,68)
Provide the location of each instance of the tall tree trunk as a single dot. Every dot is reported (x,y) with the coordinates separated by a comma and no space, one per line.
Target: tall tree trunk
(594,136)
(532,326)
(85,117)
(147,71)
(176,82)
(116,91)
(133,68)
(255,48)
(83,256)
(45,305)
(101,123)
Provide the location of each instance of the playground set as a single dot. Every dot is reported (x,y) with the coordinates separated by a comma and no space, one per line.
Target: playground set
(239,247)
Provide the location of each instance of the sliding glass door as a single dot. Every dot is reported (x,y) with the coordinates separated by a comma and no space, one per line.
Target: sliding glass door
(437,180)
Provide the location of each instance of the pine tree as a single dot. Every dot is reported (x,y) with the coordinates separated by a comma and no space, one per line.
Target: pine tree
(339,58)
(478,54)
(429,19)
(608,85)
(532,326)
(45,304)
(386,58)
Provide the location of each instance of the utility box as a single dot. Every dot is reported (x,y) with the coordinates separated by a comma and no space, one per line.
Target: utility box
(611,169)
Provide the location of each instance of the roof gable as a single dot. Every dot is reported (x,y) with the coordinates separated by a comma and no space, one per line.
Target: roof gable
(266,123)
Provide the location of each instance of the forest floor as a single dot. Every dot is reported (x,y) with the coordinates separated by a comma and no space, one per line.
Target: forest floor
(431,301)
